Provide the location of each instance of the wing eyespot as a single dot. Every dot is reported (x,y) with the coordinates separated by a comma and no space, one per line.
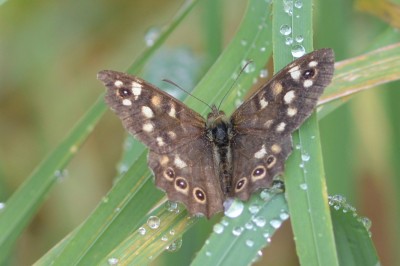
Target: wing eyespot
(124,92)
(169,174)
(241,184)
(181,185)
(199,195)
(271,161)
(258,173)
(309,73)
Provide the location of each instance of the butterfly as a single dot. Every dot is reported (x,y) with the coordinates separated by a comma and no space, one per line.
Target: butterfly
(202,162)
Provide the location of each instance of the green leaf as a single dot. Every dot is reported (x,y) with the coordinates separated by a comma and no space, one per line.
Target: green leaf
(304,176)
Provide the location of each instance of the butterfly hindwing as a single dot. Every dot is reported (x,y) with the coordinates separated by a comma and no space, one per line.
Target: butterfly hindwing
(263,124)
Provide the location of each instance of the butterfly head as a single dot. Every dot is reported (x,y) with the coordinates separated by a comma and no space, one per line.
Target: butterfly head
(218,126)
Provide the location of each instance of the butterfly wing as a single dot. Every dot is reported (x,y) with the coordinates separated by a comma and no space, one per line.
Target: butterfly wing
(263,124)
(180,155)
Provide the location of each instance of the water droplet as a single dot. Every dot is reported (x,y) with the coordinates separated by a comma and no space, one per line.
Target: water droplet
(298,4)
(299,38)
(298,147)
(263,73)
(366,222)
(218,228)
(249,225)
(171,206)
(151,36)
(164,238)
(233,208)
(208,254)
(284,216)
(224,223)
(2,206)
(105,199)
(265,195)
(275,223)
(298,50)
(153,222)
(112,261)
(174,246)
(243,42)
(266,235)
(301,165)
(303,186)
(142,231)
(288,40)
(285,30)
(249,66)
(254,208)
(249,243)
(117,210)
(263,49)
(288,7)
(237,231)
(61,174)
(259,221)
(172,232)
(305,157)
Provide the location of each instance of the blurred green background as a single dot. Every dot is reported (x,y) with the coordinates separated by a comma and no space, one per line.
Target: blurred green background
(50,52)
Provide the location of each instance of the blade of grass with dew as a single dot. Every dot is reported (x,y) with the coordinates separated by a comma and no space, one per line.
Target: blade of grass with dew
(238,241)
(363,72)
(304,179)
(352,235)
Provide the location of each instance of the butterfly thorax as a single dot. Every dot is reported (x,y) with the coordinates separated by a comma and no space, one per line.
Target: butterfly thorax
(219,133)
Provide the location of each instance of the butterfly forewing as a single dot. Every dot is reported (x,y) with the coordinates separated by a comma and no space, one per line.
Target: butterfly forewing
(263,124)
(154,117)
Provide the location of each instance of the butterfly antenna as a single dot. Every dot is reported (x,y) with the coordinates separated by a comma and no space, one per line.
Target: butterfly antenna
(240,73)
(182,89)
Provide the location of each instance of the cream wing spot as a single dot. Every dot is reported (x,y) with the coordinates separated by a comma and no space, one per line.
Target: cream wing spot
(291,111)
(164,160)
(280,127)
(289,97)
(268,123)
(277,88)
(118,83)
(276,148)
(147,112)
(160,141)
(179,162)
(313,64)
(171,134)
(155,100)
(295,73)
(261,153)
(126,102)
(148,127)
(263,103)
(136,89)
(308,83)
(172,111)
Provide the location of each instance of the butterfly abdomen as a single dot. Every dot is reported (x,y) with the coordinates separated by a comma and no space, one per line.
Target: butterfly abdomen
(219,133)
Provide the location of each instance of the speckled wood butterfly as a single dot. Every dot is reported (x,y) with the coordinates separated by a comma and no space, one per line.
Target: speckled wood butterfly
(202,162)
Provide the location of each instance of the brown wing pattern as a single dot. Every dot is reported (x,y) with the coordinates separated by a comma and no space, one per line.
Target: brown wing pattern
(263,124)
(154,117)
(180,157)
(188,176)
